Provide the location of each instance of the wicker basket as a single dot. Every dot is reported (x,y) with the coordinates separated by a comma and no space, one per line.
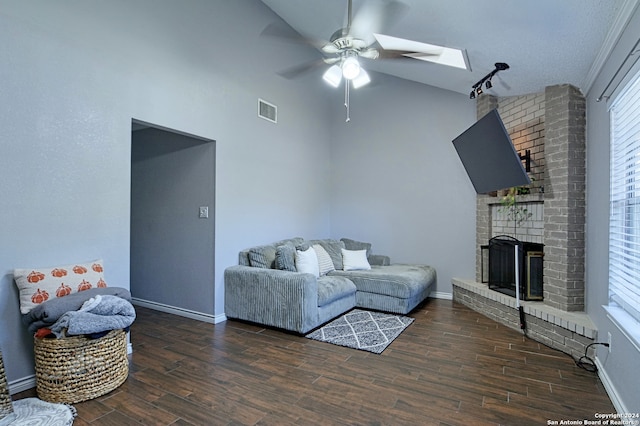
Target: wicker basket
(76,369)
(6,407)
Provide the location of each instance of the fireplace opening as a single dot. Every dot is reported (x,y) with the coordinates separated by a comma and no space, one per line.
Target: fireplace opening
(501,267)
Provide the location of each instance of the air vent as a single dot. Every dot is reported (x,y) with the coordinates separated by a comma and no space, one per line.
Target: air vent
(267,111)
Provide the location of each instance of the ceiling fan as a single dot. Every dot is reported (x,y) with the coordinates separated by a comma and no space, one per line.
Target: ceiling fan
(360,39)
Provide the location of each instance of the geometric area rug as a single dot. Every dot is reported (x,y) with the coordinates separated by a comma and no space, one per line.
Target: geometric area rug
(364,330)
(33,411)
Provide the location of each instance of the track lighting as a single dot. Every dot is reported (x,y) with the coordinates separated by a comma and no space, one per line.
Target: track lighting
(486,80)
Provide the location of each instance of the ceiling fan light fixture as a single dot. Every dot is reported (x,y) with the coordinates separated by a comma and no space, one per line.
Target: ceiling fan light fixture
(333,75)
(350,68)
(361,80)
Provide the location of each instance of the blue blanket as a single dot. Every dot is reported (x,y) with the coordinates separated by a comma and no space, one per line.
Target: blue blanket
(97,315)
(49,312)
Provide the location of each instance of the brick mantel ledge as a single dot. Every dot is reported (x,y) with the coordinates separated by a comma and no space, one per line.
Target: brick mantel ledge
(555,325)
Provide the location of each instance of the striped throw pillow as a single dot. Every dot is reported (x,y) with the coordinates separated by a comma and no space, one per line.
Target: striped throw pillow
(325,264)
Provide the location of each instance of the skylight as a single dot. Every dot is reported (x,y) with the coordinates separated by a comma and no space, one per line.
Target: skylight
(441,55)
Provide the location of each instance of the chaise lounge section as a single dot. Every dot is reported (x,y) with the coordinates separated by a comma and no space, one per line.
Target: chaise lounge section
(272,286)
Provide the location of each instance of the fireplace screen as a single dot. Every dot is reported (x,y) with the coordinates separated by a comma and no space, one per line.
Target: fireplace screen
(501,267)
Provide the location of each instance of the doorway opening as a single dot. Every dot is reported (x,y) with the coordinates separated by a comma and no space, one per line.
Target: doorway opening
(172,221)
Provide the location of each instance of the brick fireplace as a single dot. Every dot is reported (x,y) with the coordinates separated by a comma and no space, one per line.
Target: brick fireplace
(551,125)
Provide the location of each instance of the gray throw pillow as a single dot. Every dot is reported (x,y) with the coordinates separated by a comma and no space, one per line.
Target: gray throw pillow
(263,257)
(286,257)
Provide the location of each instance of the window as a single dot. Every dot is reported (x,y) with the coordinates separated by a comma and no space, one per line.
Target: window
(624,219)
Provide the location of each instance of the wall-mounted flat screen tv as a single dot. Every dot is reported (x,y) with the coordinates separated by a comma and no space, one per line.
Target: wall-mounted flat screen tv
(489,157)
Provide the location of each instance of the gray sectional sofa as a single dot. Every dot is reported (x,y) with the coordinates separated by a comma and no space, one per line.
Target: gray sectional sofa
(267,288)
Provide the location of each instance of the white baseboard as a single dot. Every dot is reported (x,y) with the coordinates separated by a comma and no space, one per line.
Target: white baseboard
(441,295)
(212,319)
(23,384)
(610,388)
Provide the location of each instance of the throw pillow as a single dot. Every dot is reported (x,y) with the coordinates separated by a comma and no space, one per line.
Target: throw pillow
(286,258)
(325,264)
(37,285)
(355,260)
(263,256)
(307,262)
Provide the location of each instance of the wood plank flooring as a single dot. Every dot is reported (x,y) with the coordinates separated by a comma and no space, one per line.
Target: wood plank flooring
(452,366)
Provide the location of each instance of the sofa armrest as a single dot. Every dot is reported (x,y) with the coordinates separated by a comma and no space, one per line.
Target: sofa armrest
(379,259)
(282,299)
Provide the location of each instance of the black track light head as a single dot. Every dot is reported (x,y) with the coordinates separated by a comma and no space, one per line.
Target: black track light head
(476,89)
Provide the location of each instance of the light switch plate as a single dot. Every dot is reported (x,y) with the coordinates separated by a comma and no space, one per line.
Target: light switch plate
(204,212)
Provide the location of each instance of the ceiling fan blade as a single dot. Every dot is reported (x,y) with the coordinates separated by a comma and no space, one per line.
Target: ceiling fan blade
(301,69)
(375,16)
(288,34)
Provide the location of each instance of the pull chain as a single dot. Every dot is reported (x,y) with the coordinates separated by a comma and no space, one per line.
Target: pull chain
(346,99)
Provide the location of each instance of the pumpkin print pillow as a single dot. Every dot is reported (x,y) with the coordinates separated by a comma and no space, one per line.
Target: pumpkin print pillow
(37,285)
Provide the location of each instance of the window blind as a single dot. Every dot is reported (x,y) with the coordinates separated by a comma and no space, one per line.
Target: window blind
(624,220)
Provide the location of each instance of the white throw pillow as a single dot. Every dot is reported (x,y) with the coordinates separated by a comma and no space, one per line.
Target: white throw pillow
(325,264)
(307,262)
(355,260)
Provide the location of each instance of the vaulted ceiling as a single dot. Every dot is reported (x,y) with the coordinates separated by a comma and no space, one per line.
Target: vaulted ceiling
(545,42)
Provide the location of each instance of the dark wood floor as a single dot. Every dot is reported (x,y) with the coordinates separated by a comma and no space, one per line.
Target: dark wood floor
(452,366)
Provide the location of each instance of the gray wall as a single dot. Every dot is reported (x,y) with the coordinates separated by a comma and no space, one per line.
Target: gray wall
(74,74)
(621,365)
(172,256)
(397,180)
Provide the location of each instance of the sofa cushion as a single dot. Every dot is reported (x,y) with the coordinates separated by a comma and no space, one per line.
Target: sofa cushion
(325,264)
(289,241)
(243,258)
(332,288)
(286,257)
(350,244)
(379,259)
(398,280)
(355,260)
(263,256)
(333,247)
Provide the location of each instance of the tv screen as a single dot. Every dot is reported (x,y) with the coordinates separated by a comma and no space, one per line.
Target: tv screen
(489,157)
